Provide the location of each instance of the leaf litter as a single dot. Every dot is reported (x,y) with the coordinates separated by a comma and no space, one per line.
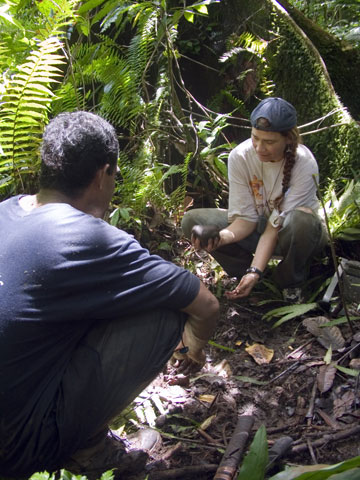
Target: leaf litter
(294,380)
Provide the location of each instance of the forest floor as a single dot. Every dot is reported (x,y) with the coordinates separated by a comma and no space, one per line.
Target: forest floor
(287,378)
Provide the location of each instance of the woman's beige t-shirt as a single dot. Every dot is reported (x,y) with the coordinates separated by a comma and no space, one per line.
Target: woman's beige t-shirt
(254,185)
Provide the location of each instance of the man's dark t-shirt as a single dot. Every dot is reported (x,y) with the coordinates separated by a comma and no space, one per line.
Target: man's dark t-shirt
(61,271)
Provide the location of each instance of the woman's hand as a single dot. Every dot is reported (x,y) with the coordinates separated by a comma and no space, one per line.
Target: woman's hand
(244,287)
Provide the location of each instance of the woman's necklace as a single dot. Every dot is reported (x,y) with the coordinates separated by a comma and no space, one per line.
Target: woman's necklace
(267,198)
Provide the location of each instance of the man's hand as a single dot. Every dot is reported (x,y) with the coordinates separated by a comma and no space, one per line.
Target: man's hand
(203,313)
(245,286)
(187,364)
(205,236)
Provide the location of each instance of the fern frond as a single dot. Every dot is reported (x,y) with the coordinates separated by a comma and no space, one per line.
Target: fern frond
(117,89)
(24,108)
(246,42)
(141,44)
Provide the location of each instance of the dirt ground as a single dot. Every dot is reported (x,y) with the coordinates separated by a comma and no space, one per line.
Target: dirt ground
(288,386)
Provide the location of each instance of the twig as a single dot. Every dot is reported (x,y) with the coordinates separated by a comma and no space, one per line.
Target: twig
(169,453)
(311,450)
(289,369)
(207,437)
(225,440)
(272,430)
(310,412)
(327,438)
(324,128)
(320,119)
(347,353)
(294,352)
(233,453)
(183,472)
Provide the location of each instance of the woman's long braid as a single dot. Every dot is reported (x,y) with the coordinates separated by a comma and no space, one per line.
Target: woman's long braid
(290,157)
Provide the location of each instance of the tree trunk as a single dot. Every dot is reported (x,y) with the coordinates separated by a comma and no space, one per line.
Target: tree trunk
(341,58)
(300,75)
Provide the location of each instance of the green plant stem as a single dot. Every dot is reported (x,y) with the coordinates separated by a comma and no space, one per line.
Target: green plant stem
(334,259)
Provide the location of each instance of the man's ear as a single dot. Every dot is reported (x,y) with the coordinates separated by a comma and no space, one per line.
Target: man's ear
(100,175)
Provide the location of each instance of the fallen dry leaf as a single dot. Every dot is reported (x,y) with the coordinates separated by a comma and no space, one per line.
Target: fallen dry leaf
(223,369)
(325,377)
(355,363)
(260,353)
(343,405)
(206,423)
(326,336)
(207,398)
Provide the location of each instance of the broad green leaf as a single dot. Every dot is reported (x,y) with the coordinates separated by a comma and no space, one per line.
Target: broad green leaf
(254,465)
(339,321)
(289,312)
(328,356)
(221,166)
(353,474)
(114,217)
(348,371)
(201,9)
(189,16)
(322,473)
(85,7)
(125,214)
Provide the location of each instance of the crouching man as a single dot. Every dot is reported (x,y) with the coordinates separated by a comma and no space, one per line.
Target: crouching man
(88,317)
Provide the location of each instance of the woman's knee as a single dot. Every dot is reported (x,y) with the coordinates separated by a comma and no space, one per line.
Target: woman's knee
(188,221)
(203,216)
(305,209)
(302,219)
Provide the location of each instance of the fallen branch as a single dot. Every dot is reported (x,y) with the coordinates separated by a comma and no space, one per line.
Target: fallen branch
(233,453)
(190,440)
(281,446)
(182,472)
(330,437)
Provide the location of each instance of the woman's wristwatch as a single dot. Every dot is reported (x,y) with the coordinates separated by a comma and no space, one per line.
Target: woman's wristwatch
(255,270)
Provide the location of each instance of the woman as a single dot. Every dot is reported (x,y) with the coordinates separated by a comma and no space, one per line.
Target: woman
(272,206)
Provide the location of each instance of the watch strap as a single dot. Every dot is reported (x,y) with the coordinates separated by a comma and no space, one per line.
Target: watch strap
(255,270)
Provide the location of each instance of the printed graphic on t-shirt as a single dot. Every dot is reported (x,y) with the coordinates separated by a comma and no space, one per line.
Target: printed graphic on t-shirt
(257,186)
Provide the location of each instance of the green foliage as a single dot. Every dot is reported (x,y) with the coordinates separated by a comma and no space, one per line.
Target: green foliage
(26,95)
(65,475)
(336,149)
(254,464)
(24,111)
(289,312)
(339,17)
(315,472)
(122,61)
(213,155)
(129,85)
(251,49)
(343,210)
